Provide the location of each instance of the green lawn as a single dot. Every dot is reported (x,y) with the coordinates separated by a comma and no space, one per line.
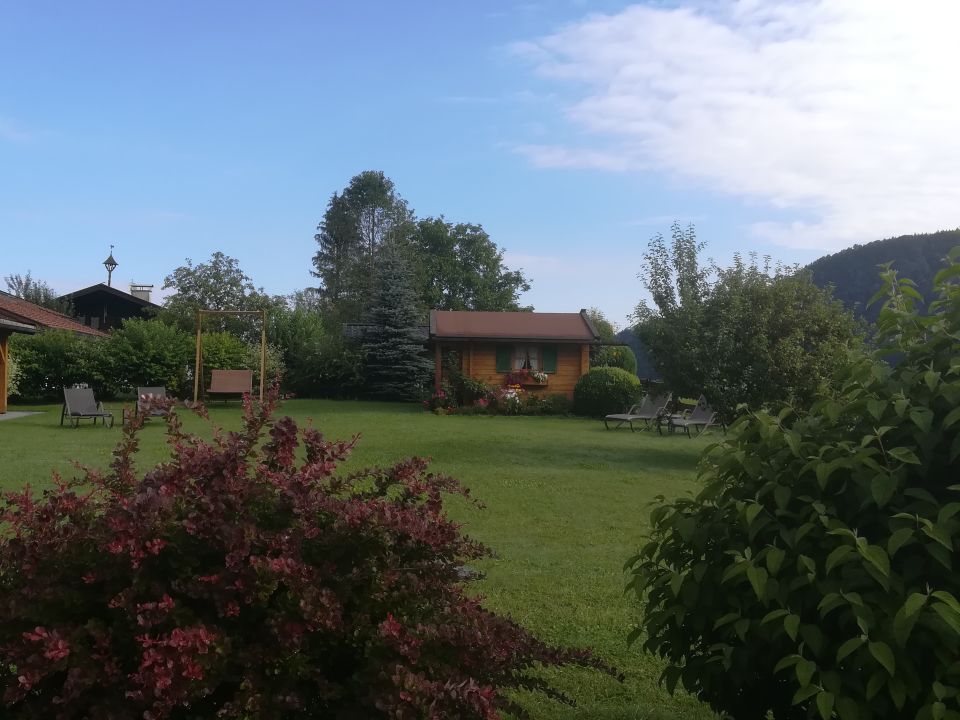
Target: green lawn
(566,503)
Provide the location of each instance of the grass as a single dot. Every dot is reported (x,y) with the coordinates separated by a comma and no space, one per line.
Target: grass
(566,503)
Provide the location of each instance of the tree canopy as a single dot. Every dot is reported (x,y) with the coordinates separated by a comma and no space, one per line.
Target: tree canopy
(218,284)
(454,266)
(751,333)
(35,291)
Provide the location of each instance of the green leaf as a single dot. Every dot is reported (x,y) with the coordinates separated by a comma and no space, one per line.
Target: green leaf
(837,556)
(914,603)
(883,655)
(875,684)
(728,618)
(758,579)
(786,661)
(882,487)
(848,647)
(793,440)
(805,670)
(948,615)
(931,378)
(876,408)
(922,417)
(947,598)
(775,558)
(676,583)
(752,511)
(904,455)
(774,615)
(948,511)
(951,418)
(791,623)
(848,709)
(898,539)
(804,693)
(903,626)
(876,556)
(825,704)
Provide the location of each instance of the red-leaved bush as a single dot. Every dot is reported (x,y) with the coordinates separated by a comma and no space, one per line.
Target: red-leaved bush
(236,582)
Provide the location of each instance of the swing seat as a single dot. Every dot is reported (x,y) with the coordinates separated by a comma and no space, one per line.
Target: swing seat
(231,382)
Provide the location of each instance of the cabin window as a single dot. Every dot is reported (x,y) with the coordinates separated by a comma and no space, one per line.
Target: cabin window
(526,356)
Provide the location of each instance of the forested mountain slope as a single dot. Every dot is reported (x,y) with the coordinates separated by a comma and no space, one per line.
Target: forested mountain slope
(854,272)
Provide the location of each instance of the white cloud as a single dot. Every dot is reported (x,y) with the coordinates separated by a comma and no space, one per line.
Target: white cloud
(843,111)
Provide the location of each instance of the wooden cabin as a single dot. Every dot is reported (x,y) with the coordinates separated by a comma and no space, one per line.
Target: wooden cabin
(103,307)
(490,346)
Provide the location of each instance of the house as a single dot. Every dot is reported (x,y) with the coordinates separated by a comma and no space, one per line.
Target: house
(104,307)
(489,346)
(20,316)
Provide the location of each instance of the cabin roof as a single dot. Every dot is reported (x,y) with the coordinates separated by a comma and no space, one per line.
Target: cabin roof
(22,311)
(515,326)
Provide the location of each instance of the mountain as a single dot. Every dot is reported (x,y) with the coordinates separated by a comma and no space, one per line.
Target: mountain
(855,275)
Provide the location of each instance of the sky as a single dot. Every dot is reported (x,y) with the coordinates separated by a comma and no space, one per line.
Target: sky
(572,131)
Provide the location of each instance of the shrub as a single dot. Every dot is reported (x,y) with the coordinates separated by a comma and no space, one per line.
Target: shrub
(275,366)
(149,353)
(815,572)
(620,356)
(300,335)
(50,360)
(605,390)
(232,582)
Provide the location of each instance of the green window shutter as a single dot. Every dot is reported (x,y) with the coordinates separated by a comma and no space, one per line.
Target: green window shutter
(504,358)
(549,355)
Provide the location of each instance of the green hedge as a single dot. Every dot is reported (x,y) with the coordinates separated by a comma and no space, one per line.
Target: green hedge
(605,390)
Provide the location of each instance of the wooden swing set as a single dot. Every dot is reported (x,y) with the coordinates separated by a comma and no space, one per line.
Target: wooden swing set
(229,381)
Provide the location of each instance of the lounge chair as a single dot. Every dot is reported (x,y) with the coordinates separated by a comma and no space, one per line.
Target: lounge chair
(236,382)
(79,404)
(700,418)
(648,410)
(147,396)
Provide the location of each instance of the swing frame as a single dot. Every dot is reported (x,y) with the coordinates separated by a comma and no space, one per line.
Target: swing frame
(198,361)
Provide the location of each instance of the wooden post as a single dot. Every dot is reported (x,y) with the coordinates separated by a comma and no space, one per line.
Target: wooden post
(197,369)
(263,350)
(584,359)
(4,370)
(437,366)
(469,370)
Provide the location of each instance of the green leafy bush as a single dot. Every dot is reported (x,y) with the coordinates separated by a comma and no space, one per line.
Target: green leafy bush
(620,356)
(605,390)
(48,361)
(300,335)
(149,353)
(816,571)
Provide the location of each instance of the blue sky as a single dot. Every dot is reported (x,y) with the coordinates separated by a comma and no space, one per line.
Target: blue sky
(571,131)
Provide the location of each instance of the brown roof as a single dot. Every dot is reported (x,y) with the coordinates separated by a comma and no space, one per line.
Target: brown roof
(464,325)
(20,310)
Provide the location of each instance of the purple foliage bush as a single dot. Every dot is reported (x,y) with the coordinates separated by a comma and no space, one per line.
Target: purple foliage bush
(247,578)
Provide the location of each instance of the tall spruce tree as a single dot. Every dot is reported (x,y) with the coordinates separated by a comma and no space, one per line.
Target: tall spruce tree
(397,366)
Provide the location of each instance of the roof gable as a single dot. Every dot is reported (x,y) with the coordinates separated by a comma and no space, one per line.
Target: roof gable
(108,290)
(477,325)
(23,311)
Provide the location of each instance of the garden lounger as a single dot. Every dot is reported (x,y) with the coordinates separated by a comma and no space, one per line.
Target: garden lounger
(231,381)
(79,403)
(700,418)
(145,395)
(649,409)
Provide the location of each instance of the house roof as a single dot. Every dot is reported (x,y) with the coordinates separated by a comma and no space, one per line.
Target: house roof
(21,311)
(11,326)
(470,325)
(109,290)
